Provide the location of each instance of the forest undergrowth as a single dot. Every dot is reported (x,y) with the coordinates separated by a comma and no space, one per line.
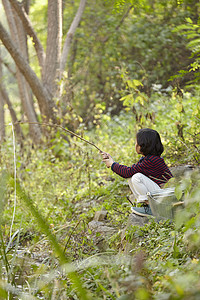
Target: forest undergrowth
(48,250)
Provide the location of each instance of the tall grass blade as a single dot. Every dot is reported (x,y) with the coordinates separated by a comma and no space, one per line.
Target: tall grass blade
(3,253)
(11,240)
(45,228)
(15,253)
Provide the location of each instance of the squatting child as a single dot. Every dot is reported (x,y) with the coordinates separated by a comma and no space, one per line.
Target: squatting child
(150,173)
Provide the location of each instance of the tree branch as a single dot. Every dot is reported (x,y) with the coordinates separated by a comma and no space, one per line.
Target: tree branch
(70,35)
(8,67)
(120,23)
(30,31)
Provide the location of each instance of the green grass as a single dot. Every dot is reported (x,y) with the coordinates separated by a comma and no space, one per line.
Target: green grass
(53,254)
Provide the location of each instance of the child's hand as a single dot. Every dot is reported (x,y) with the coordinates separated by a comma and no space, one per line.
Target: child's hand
(107,159)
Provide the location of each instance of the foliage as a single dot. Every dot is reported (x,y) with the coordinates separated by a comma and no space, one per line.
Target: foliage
(61,187)
(139,37)
(192,32)
(142,43)
(117,83)
(181,119)
(174,113)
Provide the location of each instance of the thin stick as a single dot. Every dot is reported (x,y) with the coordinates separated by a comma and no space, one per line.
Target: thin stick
(59,126)
(127,197)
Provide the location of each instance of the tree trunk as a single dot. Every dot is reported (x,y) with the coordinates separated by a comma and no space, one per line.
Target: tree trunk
(28,105)
(53,50)
(70,35)
(67,44)
(19,37)
(30,31)
(12,112)
(44,99)
(54,64)
(5,99)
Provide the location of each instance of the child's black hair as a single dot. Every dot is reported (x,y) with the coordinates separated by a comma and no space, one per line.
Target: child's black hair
(149,142)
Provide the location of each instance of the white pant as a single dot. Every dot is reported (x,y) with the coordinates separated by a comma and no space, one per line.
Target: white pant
(140,185)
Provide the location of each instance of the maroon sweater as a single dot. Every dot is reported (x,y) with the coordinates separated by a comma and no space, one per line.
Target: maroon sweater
(151,166)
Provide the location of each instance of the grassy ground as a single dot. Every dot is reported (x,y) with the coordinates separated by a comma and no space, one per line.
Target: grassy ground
(51,253)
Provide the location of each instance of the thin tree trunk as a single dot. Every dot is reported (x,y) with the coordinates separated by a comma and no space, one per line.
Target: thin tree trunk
(19,37)
(30,31)
(5,99)
(67,96)
(8,67)
(53,50)
(44,99)
(70,35)
(12,112)
(35,130)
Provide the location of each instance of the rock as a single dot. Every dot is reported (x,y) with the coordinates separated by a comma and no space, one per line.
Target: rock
(100,227)
(137,220)
(100,215)
(181,171)
(104,231)
(99,223)
(133,220)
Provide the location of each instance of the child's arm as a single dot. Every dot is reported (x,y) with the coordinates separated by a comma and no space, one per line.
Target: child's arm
(107,159)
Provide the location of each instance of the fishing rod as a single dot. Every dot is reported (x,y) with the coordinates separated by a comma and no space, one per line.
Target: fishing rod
(61,127)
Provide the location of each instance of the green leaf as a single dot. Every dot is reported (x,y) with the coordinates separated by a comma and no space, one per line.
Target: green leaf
(137,83)
(178,192)
(189,20)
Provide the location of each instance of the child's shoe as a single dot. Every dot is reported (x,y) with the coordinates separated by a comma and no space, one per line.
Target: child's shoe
(144,211)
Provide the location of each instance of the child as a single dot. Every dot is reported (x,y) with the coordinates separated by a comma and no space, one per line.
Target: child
(148,174)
